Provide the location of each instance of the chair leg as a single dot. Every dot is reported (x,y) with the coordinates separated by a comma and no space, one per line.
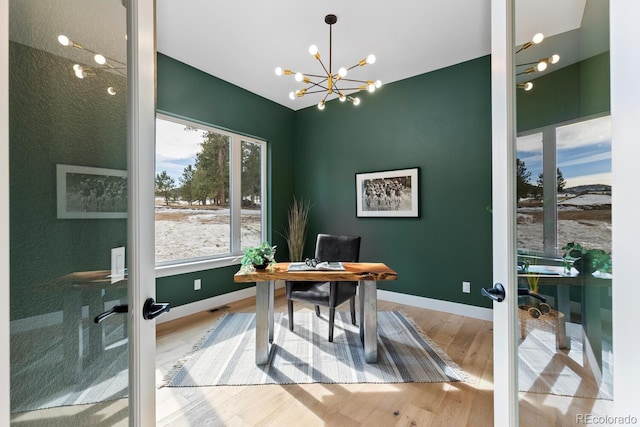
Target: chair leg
(332,315)
(290,304)
(352,305)
(318,310)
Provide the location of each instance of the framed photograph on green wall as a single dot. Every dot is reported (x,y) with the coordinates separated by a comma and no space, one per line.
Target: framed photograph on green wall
(91,193)
(391,193)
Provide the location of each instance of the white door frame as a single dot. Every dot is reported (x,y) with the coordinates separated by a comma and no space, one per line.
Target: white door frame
(140,262)
(141,232)
(624,16)
(4,211)
(505,396)
(625,110)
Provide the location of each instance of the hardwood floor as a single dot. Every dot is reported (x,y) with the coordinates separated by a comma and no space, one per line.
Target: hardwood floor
(466,340)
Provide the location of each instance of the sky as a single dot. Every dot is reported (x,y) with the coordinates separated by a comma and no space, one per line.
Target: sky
(175,147)
(583,152)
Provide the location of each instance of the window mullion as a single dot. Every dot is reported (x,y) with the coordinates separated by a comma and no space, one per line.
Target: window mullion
(235,200)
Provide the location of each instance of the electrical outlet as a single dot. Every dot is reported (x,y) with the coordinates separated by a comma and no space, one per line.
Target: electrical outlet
(197,285)
(466,287)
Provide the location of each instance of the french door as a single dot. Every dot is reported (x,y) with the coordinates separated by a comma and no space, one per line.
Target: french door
(76,224)
(511,406)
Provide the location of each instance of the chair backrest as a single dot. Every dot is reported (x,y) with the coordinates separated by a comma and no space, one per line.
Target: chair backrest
(331,247)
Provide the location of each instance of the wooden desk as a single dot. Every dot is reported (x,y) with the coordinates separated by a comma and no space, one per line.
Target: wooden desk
(365,273)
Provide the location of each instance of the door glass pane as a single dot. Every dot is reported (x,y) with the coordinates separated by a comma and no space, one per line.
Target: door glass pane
(529,192)
(564,304)
(252,203)
(68,210)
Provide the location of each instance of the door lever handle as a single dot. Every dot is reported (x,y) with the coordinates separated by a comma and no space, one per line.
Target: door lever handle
(496,293)
(152,309)
(123,308)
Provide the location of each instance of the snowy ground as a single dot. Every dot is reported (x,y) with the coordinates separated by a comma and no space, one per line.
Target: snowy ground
(183,233)
(585,219)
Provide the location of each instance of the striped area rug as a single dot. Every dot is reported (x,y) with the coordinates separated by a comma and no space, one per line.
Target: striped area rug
(226,354)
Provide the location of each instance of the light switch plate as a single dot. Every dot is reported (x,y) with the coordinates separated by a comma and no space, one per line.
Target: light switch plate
(466,287)
(117,264)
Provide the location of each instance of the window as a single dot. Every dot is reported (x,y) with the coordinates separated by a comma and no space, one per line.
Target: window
(210,195)
(575,204)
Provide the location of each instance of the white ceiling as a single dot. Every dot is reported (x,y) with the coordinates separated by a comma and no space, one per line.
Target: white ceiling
(242,41)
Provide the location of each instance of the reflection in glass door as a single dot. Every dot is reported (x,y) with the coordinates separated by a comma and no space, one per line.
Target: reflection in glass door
(564,220)
(68,208)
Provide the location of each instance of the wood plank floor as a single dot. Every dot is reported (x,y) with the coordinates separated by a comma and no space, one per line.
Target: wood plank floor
(466,340)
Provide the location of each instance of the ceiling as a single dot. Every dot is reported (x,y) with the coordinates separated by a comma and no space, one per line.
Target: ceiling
(243,41)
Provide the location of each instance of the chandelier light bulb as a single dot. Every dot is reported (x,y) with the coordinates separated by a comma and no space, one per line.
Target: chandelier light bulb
(342,98)
(321,105)
(100,59)
(278,71)
(111,90)
(79,71)
(299,77)
(378,84)
(542,65)
(292,95)
(371,59)
(64,40)
(537,39)
(342,72)
(313,50)
(554,59)
(528,86)
(356,101)
(371,87)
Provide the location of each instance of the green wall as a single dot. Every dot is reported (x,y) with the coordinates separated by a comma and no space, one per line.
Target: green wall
(184,91)
(575,91)
(56,118)
(439,122)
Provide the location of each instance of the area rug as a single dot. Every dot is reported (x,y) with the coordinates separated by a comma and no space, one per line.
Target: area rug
(226,354)
(545,369)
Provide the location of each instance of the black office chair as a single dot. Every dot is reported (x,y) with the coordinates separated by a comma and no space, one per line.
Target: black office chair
(328,294)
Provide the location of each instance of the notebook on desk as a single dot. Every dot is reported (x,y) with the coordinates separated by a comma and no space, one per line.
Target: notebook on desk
(321,266)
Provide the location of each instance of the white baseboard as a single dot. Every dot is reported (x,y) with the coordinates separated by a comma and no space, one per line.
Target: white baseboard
(437,305)
(412,300)
(210,303)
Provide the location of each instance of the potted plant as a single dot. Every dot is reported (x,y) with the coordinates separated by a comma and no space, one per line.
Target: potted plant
(296,233)
(258,256)
(586,261)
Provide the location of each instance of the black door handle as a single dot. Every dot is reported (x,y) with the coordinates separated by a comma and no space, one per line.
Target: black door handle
(496,293)
(123,308)
(152,309)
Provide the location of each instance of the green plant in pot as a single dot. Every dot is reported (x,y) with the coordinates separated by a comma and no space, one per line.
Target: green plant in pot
(258,256)
(586,261)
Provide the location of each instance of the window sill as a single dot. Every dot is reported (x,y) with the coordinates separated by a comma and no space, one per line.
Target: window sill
(193,266)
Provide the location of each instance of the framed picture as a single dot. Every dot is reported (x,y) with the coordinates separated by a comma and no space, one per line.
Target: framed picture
(85,192)
(387,194)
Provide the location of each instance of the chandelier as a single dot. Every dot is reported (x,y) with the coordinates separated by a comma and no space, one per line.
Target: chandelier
(102,63)
(539,65)
(330,83)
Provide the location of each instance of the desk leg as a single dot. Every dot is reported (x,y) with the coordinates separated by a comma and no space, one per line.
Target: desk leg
(563,303)
(264,321)
(369,319)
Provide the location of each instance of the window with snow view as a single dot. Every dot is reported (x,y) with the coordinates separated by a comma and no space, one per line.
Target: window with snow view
(200,215)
